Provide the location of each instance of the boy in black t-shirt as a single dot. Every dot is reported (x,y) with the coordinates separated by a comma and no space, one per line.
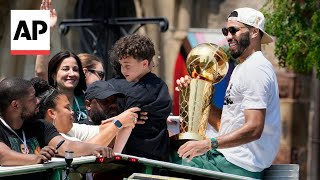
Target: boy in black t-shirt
(145,90)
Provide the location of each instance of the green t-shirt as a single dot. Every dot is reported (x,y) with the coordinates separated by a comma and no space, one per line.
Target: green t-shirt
(79,108)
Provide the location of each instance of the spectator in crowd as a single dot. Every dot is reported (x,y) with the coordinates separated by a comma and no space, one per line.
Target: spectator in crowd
(92,67)
(65,73)
(145,90)
(101,100)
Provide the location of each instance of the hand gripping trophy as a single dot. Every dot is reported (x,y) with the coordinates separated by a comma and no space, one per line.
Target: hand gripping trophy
(207,64)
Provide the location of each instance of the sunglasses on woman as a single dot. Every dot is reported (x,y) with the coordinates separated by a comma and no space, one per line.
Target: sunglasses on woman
(233,30)
(100,74)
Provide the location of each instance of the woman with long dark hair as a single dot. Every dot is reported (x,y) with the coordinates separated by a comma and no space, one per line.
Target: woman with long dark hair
(65,73)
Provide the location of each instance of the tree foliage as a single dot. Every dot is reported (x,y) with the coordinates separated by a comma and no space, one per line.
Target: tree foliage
(296,26)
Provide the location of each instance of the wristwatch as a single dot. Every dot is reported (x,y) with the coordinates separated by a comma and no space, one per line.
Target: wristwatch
(117,123)
(214,143)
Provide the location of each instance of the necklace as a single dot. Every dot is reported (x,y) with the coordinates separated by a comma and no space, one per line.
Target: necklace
(24,146)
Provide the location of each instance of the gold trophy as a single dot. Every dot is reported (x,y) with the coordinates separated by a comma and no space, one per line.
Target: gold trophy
(207,64)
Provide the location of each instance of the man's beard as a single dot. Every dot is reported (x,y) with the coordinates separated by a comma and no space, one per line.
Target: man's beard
(97,116)
(25,115)
(243,44)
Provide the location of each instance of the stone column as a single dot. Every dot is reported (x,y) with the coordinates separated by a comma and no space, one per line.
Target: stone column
(168,43)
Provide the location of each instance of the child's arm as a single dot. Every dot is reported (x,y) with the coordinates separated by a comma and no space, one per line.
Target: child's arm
(122,139)
(41,66)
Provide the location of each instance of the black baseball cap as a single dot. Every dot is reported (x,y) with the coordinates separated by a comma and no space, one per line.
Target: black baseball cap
(101,90)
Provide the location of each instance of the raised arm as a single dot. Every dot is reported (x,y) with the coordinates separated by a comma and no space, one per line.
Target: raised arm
(108,130)
(41,66)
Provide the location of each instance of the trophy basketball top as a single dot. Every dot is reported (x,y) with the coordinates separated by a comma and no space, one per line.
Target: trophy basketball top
(207,61)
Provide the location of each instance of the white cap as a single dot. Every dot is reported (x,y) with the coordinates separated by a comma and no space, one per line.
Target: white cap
(252,18)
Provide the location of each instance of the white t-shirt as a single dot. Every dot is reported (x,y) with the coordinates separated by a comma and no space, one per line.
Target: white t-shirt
(253,85)
(211,132)
(83,132)
(69,137)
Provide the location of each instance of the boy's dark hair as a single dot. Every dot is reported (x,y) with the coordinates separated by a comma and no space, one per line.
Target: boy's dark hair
(46,95)
(12,89)
(115,64)
(55,62)
(138,46)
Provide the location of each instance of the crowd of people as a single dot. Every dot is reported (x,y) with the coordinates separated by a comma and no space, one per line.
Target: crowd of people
(71,100)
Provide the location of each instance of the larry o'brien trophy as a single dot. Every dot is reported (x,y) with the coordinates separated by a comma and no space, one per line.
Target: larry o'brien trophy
(207,64)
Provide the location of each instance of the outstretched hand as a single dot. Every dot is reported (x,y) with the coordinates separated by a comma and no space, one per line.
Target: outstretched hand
(129,118)
(192,149)
(103,152)
(46,5)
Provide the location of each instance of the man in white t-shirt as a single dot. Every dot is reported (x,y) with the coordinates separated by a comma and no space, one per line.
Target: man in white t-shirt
(249,135)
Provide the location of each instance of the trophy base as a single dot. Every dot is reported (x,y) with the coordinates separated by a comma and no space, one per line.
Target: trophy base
(180,139)
(190,136)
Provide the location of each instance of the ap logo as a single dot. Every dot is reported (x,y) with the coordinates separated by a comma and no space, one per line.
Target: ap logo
(30,32)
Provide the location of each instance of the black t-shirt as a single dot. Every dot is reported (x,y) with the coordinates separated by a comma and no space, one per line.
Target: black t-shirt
(38,134)
(151,94)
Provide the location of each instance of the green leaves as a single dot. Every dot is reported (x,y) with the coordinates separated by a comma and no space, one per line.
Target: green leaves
(296,26)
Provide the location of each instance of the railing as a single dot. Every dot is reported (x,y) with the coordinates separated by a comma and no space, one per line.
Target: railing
(122,161)
(56,163)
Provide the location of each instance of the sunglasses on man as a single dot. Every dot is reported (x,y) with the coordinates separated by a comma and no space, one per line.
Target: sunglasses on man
(233,30)
(100,74)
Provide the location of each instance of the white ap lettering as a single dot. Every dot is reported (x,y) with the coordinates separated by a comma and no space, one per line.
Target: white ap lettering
(23,25)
